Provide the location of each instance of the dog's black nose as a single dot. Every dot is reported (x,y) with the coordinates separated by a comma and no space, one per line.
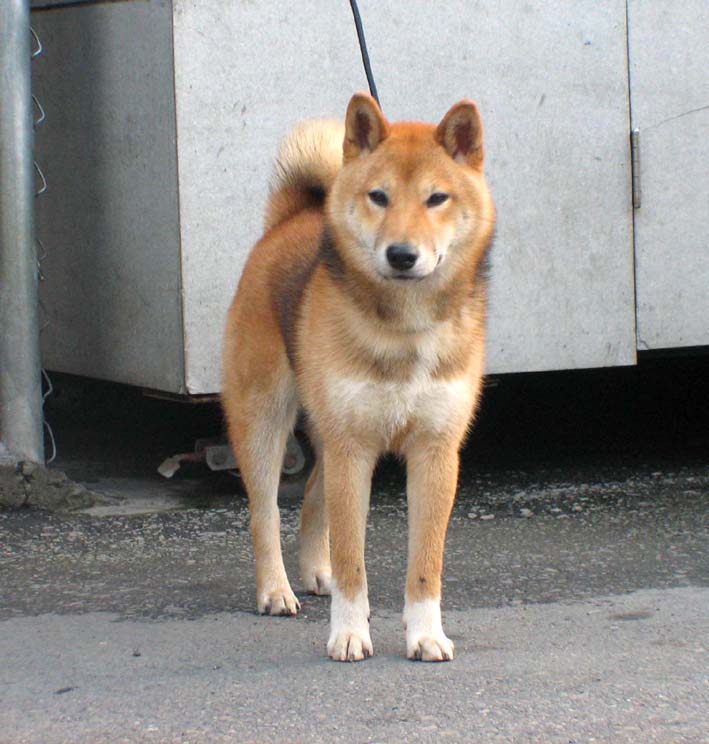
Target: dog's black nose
(401,256)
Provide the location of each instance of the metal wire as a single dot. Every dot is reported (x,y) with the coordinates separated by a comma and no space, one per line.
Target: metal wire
(41,255)
(50,433)
(42,252)
(42,115)
(39,48)
(45,395)
(43,187)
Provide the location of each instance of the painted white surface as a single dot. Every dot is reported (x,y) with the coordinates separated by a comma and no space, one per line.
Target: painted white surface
(109,219)
(670,103)
(551,81)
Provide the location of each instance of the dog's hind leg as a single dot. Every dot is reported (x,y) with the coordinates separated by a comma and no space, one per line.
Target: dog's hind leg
(314,534)
(260,421)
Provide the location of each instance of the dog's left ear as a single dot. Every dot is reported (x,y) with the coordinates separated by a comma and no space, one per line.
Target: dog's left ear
(461,134)
(365,126)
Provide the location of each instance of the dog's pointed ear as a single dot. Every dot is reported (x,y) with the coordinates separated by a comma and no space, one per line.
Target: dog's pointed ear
(461,134)
(365,126)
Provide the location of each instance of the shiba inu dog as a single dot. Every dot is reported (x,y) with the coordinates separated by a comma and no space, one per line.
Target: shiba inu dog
(363,305)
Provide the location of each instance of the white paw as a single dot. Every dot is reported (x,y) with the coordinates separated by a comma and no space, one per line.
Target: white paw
(425,639)
(429,648)
(349,627)
(348,645)
(317,581)
(279,601)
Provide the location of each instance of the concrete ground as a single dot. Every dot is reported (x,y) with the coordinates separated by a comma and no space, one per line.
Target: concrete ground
(576,583)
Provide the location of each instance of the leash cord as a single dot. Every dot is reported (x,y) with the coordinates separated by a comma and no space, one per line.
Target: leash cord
(363,50)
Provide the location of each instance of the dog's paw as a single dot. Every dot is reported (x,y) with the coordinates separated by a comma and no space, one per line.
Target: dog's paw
(425,639)
(349,645)
(349,627)
(278,602)
(317,581)
(428,648)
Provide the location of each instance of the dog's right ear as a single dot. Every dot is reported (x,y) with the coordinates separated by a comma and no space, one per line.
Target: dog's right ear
(365,127)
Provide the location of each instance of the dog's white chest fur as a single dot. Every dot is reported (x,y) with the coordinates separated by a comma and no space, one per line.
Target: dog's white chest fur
(387,407)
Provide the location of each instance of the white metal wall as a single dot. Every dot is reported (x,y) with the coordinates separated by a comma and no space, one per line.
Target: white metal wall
(670,103)
(551,80)
(109,220)
(166,116)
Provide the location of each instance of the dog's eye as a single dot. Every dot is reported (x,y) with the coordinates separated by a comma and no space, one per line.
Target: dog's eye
(378,197)
(436,198)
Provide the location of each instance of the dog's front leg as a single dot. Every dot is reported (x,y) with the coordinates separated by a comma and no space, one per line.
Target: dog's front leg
(432,476)
(348,480)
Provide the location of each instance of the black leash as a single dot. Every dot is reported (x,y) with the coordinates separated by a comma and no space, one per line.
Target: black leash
(363,49)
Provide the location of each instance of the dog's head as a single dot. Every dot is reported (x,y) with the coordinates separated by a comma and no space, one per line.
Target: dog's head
(411,202)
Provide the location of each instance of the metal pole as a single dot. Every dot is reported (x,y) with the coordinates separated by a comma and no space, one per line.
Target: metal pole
(20,368)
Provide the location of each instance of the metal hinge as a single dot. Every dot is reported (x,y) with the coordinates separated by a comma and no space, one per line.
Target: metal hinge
(635,166)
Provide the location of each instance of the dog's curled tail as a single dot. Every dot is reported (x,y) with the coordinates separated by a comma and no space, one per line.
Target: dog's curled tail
(308,160)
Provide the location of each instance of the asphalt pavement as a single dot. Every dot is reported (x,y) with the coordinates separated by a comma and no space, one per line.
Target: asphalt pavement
(576,591)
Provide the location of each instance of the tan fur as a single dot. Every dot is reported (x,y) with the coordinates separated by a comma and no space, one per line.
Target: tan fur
(308,160)
(323,320)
